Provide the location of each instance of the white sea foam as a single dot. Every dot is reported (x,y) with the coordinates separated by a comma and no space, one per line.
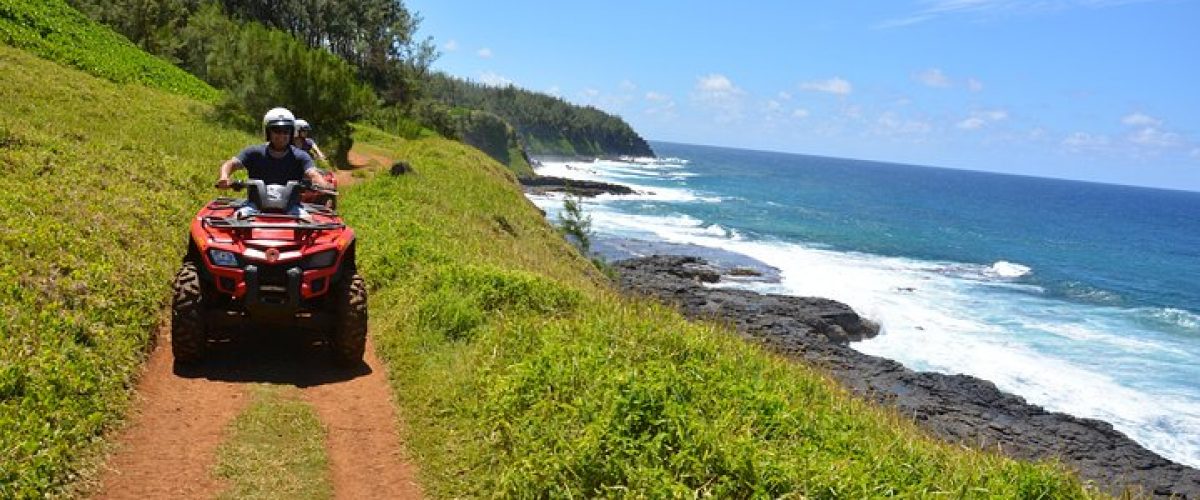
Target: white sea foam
(611,171)
(1175,317)
(1005,269)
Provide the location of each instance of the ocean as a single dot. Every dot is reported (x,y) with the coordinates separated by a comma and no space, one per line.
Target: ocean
(1081,298)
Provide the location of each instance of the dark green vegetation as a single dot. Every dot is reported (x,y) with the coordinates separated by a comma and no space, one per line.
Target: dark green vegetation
(55,31)
(103,179)
(262,69)
(373,36)
(249,47)
(276,450)
(547,125)
(326,61)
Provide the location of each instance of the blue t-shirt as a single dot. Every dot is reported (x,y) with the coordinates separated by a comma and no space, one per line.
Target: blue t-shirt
(308,144)
(259,164)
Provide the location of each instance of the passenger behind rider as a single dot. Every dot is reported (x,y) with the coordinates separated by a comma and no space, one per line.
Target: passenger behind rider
(275,162)
(305,143)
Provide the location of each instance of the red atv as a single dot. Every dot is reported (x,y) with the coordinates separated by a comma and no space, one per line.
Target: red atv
(269,269)
(321,197)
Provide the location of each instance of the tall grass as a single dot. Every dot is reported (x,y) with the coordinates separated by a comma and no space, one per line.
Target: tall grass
(520,374)
(101,181)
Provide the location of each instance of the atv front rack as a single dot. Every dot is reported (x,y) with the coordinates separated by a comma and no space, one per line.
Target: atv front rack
(232,223)
(236,203)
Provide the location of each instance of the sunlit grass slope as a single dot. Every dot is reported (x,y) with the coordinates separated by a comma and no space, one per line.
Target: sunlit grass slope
(101,180)
(55,31)
(520,375)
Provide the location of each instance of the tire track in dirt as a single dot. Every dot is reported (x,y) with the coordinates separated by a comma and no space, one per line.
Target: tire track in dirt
(169,448)
(170,445)
(365,452)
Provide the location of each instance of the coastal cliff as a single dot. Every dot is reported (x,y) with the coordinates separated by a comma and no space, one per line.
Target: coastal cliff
(957,408)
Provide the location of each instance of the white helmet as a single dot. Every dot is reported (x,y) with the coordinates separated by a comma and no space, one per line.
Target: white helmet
(279,117)
(303,125)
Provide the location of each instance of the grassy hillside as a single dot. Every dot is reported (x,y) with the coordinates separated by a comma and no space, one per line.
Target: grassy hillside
(55,31)
(102,181)
(520,374)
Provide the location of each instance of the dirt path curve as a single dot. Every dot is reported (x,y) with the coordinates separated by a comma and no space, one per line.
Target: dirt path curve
(169,449)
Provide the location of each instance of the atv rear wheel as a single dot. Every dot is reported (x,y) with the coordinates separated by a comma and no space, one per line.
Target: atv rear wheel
(189,334)
(349,339)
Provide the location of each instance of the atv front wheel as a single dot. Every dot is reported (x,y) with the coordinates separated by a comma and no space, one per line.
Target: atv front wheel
(349,339)
(189,334)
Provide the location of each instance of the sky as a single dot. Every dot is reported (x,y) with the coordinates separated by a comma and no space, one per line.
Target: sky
(1098,90)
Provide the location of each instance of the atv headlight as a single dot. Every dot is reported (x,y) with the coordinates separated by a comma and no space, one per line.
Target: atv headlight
(320,260)
(223,258)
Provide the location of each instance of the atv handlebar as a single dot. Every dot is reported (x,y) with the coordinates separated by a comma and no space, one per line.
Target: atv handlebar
(305,185)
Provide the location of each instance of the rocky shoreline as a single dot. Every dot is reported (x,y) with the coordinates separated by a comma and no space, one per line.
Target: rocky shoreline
(543,184)
(957,408)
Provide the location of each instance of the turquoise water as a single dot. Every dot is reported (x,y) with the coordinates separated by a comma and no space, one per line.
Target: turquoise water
(1079,297)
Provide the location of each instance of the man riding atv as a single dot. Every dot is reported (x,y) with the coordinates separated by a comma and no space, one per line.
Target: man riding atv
(269,262)
(275,162)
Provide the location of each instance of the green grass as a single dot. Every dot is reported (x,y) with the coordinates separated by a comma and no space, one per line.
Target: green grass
(276,450)
(55,31)
(520,373)
(518,164)
(103,180)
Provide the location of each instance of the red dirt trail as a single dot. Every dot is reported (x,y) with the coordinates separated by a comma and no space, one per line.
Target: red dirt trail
(169,448)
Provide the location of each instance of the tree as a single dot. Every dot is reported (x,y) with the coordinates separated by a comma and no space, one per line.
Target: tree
(576,225)
(262,68)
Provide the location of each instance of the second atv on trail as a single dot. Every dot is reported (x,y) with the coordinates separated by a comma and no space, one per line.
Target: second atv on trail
(269,270)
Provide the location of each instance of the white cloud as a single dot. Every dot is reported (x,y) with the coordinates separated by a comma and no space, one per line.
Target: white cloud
(590,93)
(785,96)
(554,91)
(980,118)
(995,115)
(485,53)
(1140,120)
(627,86)
(974,85)
(833,86)
(495,80)
(774,106)
(657,97)
(716,84)
(891,124)
(1153,137)
(450,46)
(718,93)
(933,77)
(1080,141)
(989,9)
(971,123)
(661,105)
(800,113)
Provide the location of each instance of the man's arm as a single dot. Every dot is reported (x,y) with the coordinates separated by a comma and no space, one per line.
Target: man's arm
(314,176)
(228,168)
(315,149)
